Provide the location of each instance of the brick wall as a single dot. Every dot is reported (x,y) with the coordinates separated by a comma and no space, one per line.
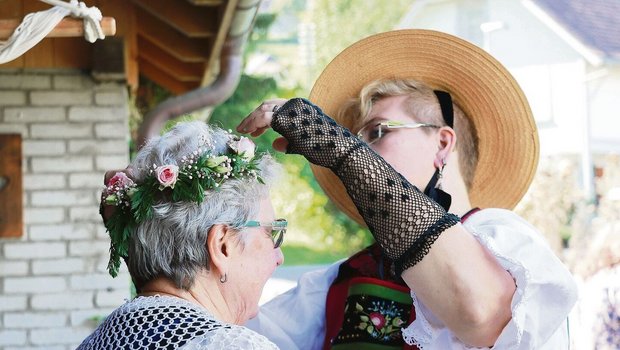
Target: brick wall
(53,281)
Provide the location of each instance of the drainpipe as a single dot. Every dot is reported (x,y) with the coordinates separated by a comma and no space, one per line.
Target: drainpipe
(231,64)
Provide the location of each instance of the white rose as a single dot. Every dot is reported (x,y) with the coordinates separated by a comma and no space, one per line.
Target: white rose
(243,147)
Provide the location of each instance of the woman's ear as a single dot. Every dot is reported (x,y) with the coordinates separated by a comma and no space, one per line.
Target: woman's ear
(447,144)
(220,244)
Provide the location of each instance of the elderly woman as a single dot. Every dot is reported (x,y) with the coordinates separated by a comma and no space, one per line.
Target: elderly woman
(197,230)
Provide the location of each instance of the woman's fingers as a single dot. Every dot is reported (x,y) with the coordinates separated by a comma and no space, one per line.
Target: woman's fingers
(260,131)
(280,144)
(260,118)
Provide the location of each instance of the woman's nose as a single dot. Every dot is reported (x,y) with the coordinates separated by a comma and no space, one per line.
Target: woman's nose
(279,256)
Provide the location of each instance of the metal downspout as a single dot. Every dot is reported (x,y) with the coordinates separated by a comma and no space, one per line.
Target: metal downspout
(231,64)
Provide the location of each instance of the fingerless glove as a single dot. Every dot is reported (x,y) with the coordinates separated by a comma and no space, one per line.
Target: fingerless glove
(402,219)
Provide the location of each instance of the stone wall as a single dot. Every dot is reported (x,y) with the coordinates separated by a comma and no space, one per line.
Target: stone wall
(53,280)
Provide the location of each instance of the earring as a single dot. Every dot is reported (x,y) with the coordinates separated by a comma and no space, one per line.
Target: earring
(440,175)
(433,189)
(224,278)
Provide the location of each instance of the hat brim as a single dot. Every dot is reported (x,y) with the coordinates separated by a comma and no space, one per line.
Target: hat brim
(488,94)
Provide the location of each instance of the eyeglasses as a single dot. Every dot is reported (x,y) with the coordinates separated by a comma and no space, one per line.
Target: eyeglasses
(373,132)
(278,229)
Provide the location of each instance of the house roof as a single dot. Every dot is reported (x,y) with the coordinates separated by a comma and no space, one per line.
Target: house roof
(595,23)
(176,44)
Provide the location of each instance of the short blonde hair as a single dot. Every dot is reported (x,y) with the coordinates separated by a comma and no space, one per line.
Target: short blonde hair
(423,107)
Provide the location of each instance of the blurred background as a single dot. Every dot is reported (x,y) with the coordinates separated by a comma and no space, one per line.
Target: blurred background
(564,54)
(77,114)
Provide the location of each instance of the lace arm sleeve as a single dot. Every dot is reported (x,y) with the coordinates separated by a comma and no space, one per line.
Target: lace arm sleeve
(402,219)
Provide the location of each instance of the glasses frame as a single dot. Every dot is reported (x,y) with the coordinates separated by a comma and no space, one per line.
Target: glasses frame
(392,124)
(278,229)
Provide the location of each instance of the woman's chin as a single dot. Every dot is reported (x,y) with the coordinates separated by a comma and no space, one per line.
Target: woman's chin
(251,314)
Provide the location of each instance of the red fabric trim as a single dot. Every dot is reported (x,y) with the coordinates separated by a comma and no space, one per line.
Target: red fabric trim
(334,306)
(334,311)
(337,296)
(469,213)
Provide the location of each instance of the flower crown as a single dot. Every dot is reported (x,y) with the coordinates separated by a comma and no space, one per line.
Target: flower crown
(198,172)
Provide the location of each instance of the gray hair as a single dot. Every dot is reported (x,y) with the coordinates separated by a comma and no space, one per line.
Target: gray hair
(173,242)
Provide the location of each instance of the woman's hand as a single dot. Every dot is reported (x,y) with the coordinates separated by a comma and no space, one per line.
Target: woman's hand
(260,119)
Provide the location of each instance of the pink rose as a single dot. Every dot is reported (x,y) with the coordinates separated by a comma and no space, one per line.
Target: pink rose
(120,180)
(377,320)
(244,146)
(167,175)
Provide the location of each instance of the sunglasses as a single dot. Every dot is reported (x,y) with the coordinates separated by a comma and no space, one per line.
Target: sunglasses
(278,229)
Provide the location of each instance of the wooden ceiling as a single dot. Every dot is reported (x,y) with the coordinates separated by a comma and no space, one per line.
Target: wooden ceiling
(175,43)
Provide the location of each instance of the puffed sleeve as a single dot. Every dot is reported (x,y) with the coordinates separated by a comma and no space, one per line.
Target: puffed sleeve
(295,320)
(545,294)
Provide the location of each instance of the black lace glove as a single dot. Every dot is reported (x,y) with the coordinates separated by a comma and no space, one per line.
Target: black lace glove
(402,219)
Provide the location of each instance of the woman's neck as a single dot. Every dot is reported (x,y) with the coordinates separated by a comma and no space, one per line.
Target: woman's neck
(204,292)
(454,185)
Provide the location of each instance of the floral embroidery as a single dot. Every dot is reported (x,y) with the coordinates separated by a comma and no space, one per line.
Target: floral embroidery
(375,313)
(384,322)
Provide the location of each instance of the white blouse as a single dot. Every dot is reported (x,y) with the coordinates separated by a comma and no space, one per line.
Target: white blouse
(545,294)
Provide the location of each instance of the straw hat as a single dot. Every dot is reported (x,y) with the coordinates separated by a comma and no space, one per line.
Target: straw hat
(507,137)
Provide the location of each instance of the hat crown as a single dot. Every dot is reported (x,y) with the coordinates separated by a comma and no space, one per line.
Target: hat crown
(482,87)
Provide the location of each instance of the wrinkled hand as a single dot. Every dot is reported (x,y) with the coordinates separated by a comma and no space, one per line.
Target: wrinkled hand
(260,119)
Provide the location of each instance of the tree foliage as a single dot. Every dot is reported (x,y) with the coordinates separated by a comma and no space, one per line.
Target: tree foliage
(339,24)
(314,220)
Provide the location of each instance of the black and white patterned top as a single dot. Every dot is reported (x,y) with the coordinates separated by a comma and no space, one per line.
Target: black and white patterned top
(163,322)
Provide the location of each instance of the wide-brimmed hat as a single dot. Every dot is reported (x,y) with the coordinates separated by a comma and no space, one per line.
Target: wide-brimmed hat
(484,89)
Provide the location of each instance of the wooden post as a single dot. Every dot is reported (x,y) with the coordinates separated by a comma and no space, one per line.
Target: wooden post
(68,27)
(11,191)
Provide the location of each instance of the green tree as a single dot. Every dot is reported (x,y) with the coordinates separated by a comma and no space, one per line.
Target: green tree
(361,19)
(318,232)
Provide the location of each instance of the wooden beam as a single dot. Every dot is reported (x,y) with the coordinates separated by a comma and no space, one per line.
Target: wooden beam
(229,12)
(164,79)
(11,9)
(124,13)
(71,53)
(192,21)
(68,27)
(42,54)
(185,72)
(170,40)
(206,2)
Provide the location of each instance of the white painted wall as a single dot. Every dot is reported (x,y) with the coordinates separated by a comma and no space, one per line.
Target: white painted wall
(604,109)
(53,279)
